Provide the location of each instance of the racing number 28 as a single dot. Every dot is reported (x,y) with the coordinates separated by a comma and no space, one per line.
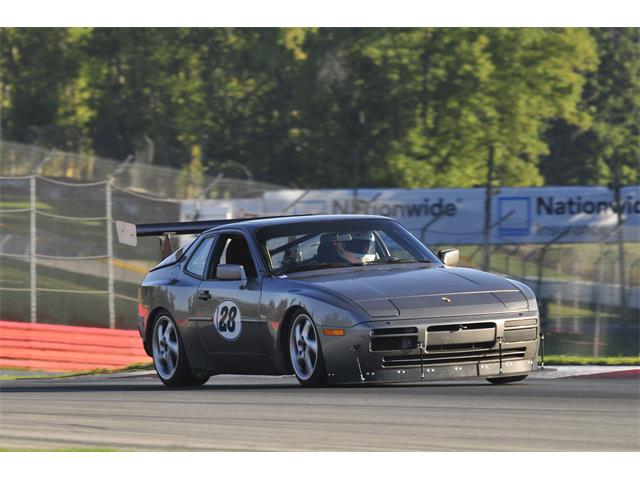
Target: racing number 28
(228,319)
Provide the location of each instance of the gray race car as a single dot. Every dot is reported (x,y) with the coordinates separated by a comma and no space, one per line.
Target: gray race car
(333,299)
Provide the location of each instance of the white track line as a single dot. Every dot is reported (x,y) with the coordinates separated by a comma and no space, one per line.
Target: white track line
(566,371)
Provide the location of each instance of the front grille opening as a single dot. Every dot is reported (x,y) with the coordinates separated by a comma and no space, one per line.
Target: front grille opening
(393,331)
(398,338)
(461,346)
(454,327)
(457,358)
(394,343)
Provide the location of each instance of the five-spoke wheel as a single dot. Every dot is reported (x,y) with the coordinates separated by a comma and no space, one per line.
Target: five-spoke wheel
(165,348)
(304,351)
(169,358)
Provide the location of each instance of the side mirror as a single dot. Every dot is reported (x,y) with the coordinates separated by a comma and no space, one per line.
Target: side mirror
(449,256)
(232,272)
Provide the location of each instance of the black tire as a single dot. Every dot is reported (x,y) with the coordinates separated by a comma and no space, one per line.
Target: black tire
(503,380)
(169,355)
(305,352)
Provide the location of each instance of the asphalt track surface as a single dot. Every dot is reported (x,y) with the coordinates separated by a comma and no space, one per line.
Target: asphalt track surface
(135,412)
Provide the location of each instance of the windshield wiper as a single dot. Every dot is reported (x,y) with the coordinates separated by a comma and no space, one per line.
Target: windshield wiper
(310,266)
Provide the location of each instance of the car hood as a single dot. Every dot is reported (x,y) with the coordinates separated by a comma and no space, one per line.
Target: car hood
(422,292)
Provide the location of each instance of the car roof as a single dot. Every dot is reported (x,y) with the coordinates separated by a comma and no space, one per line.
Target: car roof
(254,224)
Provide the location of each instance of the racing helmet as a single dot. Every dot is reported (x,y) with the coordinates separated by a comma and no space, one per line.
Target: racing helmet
(356,247)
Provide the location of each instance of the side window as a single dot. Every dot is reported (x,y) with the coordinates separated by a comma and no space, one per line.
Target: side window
(198,261)
(233,249)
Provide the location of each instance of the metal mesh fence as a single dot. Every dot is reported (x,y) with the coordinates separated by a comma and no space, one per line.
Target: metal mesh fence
(60,264)
(579,292)
(152,180)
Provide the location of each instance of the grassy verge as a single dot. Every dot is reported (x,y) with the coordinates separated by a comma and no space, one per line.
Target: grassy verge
(87,309)
(575,360)
(65,449)
(130,368)
(570,312)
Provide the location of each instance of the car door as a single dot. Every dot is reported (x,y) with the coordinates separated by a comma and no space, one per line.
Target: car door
(227,310)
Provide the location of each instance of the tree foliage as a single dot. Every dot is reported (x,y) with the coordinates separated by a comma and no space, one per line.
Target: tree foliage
(612,99)
(343,107)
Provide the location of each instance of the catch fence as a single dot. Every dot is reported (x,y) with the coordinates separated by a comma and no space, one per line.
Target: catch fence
(60,263)
(59,260)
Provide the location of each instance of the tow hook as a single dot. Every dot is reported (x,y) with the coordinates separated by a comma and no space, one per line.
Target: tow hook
(421,347)
(355,349)
(500,340)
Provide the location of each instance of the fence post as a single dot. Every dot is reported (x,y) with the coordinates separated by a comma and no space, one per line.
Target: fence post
(596,328)
(559,295)
(32,249)
(576,301)
(110,281)
(33,200)
(617,186)
(488,198)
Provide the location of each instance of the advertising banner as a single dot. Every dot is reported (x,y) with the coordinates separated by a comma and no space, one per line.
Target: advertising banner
(456,216)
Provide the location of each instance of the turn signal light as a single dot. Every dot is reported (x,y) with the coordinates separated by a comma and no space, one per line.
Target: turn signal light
(333,332)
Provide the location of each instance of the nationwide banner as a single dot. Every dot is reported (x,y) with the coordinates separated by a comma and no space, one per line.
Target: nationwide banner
(456,216)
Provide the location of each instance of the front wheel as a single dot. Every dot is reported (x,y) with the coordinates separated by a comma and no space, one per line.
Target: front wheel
(305,352)
(502,380)
(169,356)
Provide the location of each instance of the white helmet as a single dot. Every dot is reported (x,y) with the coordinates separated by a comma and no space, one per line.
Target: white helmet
(357,247)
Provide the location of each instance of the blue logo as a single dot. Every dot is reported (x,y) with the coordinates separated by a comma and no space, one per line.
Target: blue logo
(514,216)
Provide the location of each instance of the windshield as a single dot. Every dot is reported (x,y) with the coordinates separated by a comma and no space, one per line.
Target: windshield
(341,243)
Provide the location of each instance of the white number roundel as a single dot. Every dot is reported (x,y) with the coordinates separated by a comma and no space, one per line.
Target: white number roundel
(228,320)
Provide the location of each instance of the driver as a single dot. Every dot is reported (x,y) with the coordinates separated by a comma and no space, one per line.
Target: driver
(356,248)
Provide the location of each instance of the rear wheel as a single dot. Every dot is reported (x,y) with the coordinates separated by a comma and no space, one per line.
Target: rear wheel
(502,380)
(305,352)
(169,356)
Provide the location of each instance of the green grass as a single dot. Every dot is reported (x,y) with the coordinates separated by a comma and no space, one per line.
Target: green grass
(576,360)
(97,371)
(88,309)
(92,232)
(64,449)
(14,205)
(78,232)
(15,273)
(569,311)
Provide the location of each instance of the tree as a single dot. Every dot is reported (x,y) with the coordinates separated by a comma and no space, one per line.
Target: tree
(37,65)
(334,107)
(493,88)
(612,96)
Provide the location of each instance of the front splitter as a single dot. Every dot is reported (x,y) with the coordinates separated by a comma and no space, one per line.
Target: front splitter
(430,373)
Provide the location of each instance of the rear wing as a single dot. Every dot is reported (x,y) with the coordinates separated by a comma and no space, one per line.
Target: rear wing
(128,233)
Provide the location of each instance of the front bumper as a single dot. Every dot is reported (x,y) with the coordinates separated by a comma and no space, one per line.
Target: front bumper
(435,353)
(434,373)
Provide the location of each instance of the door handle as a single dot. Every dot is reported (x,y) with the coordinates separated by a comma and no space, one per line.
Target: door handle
(204,295)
